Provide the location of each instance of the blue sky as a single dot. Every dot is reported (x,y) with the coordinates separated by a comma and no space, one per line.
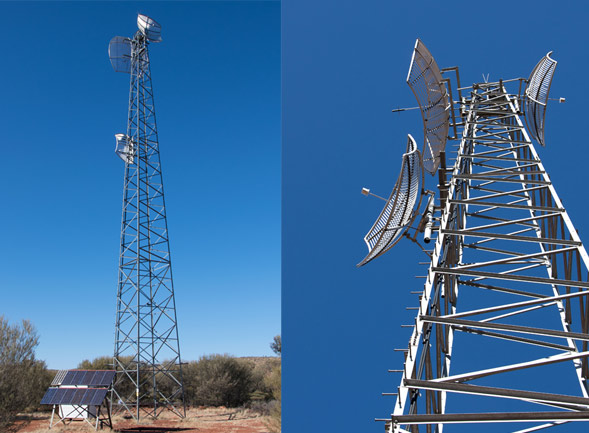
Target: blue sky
(216,77)
(344,70)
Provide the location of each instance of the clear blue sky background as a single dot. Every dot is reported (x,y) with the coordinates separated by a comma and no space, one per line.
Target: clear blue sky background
(216,77)
(344,68)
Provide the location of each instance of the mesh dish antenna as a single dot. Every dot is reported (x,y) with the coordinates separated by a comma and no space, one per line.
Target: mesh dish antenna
(399,210)
(124,148)
(119,52)
(425,80)
(150,28)
(536,96)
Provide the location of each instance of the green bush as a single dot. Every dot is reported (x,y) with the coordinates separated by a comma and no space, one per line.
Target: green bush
(274,382)
(100,363)
(23,379)
(217,380)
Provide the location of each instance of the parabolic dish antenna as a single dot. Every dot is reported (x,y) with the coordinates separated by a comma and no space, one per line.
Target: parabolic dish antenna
(399,211)
(150,28)
(536,96)
(124,148)
(425,80)
(119,52)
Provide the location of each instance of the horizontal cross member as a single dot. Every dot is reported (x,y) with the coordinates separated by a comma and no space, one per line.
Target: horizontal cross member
(505,327)
(518,304)
(450,418)
(539,397)
(507,205)
(511,277)
(512,367)
(503,179)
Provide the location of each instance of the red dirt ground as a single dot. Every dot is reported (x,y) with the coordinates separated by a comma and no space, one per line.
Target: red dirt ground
(200,420)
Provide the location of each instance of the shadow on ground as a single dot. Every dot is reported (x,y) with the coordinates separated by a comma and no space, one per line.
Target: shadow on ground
(151,429)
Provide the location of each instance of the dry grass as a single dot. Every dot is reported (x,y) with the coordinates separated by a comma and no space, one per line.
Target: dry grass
(198,420)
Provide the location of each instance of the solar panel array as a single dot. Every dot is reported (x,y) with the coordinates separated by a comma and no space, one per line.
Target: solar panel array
(88,377)
(75,396)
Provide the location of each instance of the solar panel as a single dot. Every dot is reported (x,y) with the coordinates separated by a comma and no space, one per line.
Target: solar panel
(64,395)
(425,80)
(59,377)
(87,397)
(79,394)
(537,96)
(89,377)
(48,397)
(109,376)
(98,397)
(78,378)
(67,380)
(398,212)
(75,396)
(97,378)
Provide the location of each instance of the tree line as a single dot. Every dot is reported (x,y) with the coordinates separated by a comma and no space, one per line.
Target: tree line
(212,380)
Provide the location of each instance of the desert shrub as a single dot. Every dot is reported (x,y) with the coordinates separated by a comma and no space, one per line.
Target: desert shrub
(274,382)
(217,380)
(262,407)
(276,345)
(100,363)
(23,379)
(260,371)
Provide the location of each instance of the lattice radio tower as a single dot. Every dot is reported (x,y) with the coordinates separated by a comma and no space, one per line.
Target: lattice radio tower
(147,350)
(502,322)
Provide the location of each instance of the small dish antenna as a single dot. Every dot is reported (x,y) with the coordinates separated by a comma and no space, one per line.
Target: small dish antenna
(119,52)
(399,210)
(150,28)
(536,96)
(124,148)
(425,80)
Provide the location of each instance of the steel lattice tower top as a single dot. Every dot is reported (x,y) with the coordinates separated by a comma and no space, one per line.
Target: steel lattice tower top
(147,350)
(505,302)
